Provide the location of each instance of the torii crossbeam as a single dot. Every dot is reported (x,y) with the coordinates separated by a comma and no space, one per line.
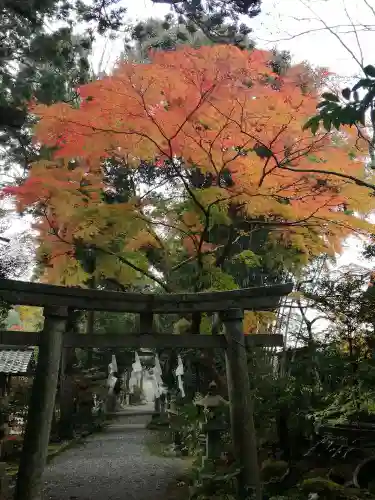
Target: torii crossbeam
(58,301)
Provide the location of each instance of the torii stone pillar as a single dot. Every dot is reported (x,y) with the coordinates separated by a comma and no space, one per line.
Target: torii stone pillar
(41,407)
(241,405)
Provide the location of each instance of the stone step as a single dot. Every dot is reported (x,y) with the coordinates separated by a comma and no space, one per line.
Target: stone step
(131,413)
(124,427)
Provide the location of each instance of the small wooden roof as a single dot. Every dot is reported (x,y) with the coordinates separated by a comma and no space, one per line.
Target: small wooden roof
(15,360)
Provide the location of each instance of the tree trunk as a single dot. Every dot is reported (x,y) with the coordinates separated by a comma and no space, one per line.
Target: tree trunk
(42,402)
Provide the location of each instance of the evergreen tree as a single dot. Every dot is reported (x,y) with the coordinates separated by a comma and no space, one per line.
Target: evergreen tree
(219,20)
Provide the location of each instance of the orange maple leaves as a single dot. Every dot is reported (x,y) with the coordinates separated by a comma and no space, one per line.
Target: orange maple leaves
(223,111)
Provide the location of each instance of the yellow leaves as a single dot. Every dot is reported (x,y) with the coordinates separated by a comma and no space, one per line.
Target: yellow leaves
(142,239)
(87,230)
(213,196)
(31,318)
(66,271)
(190,219)
(257,322)
(109,266)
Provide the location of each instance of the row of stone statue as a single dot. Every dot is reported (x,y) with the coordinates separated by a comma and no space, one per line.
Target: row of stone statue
(114,382)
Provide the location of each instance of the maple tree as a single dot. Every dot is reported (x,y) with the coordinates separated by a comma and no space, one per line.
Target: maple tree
(224,133)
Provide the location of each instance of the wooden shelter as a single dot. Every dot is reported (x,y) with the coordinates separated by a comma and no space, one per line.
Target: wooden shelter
(15,361)
(58,302)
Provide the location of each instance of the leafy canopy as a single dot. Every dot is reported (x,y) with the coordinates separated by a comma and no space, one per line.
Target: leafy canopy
(228,132)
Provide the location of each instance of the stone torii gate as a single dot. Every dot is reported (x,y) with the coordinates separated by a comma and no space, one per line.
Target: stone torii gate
(59,301)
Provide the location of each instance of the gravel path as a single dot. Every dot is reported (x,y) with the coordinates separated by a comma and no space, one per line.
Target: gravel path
(114,465)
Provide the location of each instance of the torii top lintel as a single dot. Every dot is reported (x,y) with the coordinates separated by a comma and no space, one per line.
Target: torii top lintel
(36,294)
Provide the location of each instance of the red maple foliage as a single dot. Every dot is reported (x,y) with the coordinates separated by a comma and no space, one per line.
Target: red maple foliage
(216,109)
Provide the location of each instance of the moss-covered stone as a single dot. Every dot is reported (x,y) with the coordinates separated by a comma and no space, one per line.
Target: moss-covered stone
(326,489)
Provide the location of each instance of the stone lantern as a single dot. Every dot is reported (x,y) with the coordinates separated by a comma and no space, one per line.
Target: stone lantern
(215,423)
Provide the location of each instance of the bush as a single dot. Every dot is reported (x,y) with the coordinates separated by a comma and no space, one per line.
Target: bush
(273,470)
(11,447)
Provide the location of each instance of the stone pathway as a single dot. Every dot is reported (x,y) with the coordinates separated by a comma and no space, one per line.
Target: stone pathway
(113,465)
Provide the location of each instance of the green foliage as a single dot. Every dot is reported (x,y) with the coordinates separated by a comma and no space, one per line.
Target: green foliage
(248,257)
(217,279)
(199,23)
(188,422)
(208,483)
(4,310)
(49,65)
(273,470)
(333,112)
(206,325)
(115,323)
(341,407)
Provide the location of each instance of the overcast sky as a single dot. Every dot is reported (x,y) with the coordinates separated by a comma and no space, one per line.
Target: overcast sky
(281,24)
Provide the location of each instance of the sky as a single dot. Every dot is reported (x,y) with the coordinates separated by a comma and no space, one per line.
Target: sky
(299,26)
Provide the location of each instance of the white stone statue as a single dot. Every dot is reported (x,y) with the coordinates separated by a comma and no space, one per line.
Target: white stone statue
(157,381)
(179,373)
(111,404)
(112,369)
(136,374)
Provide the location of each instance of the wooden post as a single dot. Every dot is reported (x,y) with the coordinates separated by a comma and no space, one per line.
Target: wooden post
(241,405)
(146,323)
(35,447)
